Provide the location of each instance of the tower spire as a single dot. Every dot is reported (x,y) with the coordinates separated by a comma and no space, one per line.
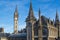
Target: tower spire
(57,17)
(31,14)
(31,10)
(39,16)
(16,9)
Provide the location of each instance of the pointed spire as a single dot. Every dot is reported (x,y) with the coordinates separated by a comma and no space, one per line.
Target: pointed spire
(16,12)
(39,14)
(31,14)
(39,17)
(31,10)
(16,9)
(30,4)
(57,17)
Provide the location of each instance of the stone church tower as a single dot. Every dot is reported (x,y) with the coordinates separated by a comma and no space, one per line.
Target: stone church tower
(16,21)
(30,20)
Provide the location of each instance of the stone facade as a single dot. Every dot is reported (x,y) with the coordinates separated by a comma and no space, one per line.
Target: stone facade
(53,32)
(41,29)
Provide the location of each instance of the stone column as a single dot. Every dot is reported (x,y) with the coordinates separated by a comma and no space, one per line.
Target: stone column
(32,31)
(40,34)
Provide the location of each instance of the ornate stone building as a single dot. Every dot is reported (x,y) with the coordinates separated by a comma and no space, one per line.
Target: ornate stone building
(41,29)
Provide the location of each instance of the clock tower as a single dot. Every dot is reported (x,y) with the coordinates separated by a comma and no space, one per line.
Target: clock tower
(16,21)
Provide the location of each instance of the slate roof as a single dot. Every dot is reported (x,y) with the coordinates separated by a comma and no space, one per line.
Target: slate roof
(19,35)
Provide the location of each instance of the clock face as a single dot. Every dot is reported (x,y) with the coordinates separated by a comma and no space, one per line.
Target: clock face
(15,18)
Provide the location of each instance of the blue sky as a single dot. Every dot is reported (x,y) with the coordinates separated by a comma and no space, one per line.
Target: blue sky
(7,9)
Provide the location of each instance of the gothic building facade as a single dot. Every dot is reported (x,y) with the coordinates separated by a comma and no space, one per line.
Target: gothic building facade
(41,29)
